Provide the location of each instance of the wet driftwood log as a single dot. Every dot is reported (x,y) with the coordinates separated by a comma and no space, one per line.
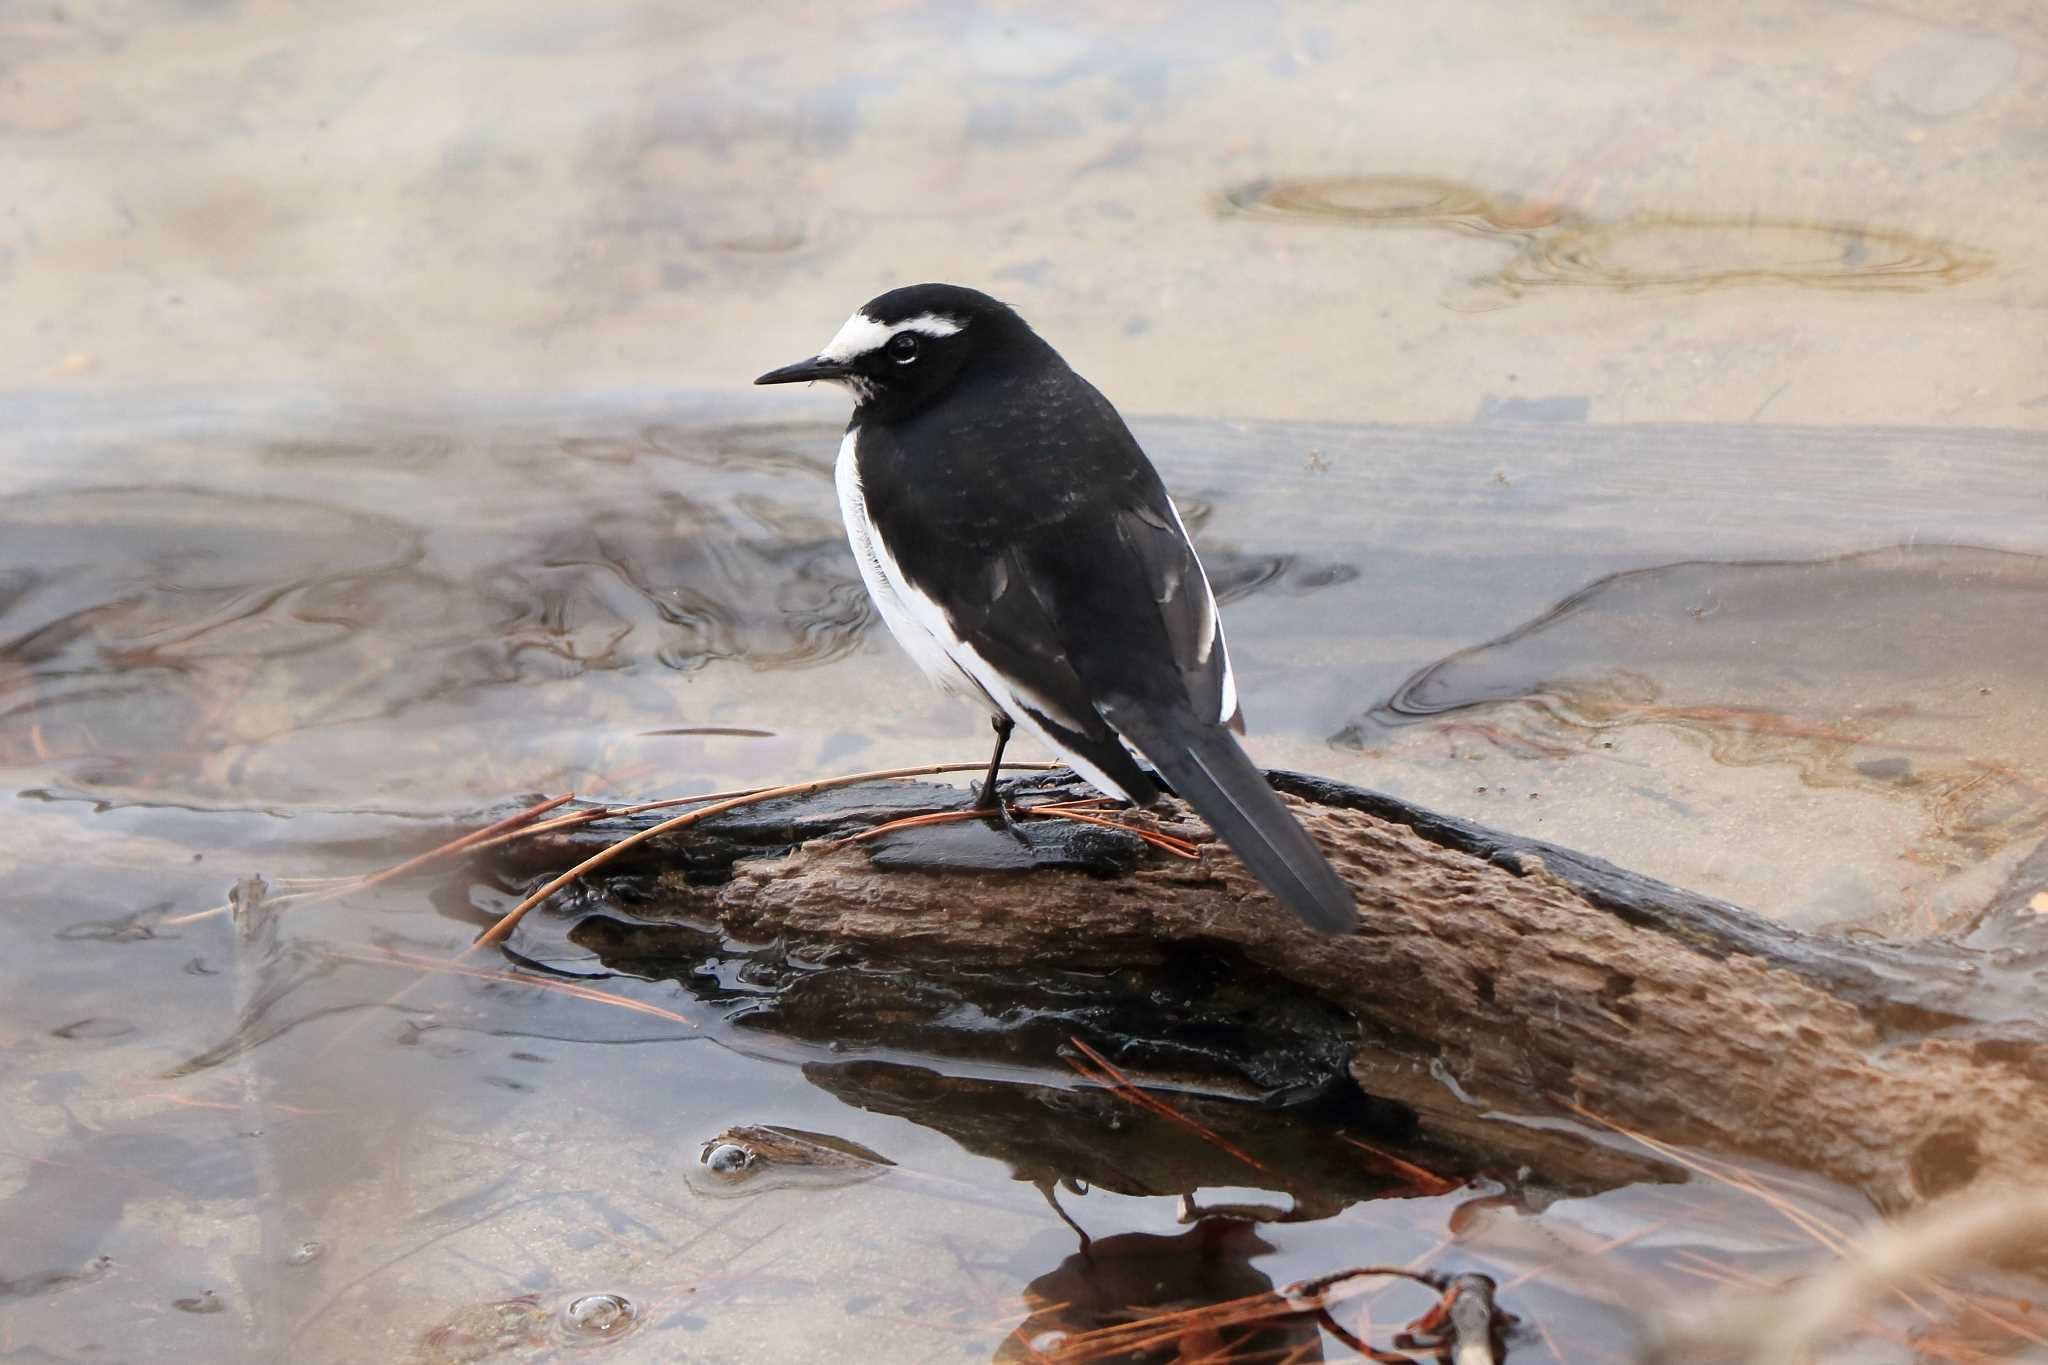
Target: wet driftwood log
(1536,977)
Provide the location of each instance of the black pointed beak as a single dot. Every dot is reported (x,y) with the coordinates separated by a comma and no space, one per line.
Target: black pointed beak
(817,367)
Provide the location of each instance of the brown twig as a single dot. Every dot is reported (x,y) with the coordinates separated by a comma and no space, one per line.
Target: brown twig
(599,813)
(1821,1231)
(1464,1324)
(1166,843)
(940,817)
(1428,1182)
(1812,1224)
(510,920)
(347,885)
(1781,1326)
(467,841)
(1106,1074)
(393,958)
(592,816)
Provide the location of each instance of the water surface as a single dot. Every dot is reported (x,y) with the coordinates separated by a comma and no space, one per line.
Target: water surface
(1622,428)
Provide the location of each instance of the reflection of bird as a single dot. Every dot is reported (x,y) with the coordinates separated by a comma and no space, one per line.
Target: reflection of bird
(1142,1295)
(1021,547)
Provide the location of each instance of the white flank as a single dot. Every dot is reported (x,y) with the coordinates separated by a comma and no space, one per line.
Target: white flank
(886,586)
(862,333)
(1215,620)
(920,626)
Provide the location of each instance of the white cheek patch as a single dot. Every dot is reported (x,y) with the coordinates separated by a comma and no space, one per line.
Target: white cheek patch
(862,334)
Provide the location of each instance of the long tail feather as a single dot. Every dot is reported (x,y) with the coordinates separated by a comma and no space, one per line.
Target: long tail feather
(1214,775)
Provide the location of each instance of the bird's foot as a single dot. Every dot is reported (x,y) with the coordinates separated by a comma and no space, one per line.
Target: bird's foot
(993,804)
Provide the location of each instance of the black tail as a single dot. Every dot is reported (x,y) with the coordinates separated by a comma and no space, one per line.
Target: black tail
(1211,773)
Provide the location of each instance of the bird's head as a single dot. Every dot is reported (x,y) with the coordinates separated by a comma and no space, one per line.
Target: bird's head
(906,347)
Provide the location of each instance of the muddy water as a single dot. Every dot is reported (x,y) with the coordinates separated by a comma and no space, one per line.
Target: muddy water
(377,449)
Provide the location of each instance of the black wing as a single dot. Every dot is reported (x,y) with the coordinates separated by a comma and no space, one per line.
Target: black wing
(1059,557)
(1070,574)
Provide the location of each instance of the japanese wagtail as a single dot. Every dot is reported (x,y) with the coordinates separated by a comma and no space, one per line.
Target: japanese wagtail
(1024,551)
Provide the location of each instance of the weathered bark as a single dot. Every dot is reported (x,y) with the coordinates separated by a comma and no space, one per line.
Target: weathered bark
(1537,977)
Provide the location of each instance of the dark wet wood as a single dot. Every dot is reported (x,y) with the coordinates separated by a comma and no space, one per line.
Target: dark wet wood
(1533,977)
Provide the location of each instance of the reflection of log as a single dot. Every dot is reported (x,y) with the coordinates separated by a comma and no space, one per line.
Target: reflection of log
(1210,1023)
(1050,1136)
(1534,975)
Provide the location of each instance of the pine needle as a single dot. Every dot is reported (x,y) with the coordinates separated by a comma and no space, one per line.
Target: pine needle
(497,932)
(345,885)
(1428,1181)
(393,958)
(1107,1074)
(1167,843)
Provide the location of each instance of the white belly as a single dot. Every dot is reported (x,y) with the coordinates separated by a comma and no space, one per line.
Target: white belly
(904,610)
(919,625)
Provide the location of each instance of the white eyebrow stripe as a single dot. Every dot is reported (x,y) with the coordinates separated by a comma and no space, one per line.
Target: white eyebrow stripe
(862,333)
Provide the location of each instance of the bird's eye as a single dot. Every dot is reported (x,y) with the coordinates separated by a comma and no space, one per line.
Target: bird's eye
(903,347)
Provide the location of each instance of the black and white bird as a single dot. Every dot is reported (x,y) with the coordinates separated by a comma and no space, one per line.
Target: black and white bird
(1021,547)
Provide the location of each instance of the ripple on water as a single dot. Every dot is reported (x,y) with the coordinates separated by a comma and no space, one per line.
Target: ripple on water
(589,1319)
(398,450)
(1854,671)
(1385,201)
(1555,248)
(203,643)
(1707,253)
(187,640)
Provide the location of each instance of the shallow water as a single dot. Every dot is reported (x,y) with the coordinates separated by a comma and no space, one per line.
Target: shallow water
(303,1147)
(378,451)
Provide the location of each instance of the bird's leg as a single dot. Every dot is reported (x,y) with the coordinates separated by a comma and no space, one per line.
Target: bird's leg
(1050,1189)
(1002,725)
